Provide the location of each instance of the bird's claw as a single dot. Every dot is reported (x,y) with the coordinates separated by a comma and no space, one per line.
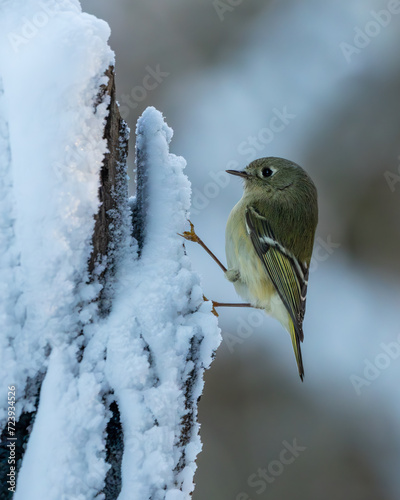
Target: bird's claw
(190,235)
(213,310)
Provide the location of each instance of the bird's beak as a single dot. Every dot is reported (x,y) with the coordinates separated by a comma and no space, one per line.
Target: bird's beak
(239,173)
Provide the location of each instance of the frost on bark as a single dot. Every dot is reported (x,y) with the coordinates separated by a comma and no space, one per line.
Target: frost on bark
(109,232)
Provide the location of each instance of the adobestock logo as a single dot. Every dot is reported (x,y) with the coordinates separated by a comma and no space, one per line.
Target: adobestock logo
(201,199)
(275,468)
(321,252)
(250,149)
(391,178)
(151,81)
(245,328)
(372,29)
(221,7)
(373,369)
(30,27)
(277,124)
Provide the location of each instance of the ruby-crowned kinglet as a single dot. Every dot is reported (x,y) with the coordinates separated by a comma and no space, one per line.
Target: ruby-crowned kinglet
(269,242)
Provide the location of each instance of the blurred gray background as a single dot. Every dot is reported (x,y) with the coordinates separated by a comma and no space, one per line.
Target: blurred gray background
(318,83)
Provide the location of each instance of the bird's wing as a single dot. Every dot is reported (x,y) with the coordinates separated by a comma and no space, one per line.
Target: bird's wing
(286,272)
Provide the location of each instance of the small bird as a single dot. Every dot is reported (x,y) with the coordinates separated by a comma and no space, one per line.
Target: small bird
(269,241)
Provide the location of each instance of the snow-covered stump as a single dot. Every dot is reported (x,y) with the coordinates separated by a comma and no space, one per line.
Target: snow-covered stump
(52,127)
(104,336)
(163,333)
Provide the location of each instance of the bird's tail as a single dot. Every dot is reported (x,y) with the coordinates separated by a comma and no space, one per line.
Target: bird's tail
(297,349)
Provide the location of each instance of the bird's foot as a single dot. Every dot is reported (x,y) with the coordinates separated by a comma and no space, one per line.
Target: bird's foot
(190,235)
(213,310)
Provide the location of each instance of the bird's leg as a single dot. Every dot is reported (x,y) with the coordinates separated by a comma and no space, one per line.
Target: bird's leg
(232,275)
(224,304)
(230,304)
(192,236)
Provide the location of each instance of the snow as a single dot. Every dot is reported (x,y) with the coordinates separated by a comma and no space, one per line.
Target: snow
(52,149)
(55,144)
(65,446)
(158,311)
(149,354)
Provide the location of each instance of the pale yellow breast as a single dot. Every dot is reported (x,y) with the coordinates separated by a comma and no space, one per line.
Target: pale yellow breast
(254,285)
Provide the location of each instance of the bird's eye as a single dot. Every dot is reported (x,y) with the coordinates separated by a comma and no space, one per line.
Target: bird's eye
(266,172)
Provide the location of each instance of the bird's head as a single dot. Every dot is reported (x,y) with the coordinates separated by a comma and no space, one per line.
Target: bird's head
(272,175)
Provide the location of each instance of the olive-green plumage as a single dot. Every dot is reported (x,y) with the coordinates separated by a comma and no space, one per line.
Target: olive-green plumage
(269,241)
